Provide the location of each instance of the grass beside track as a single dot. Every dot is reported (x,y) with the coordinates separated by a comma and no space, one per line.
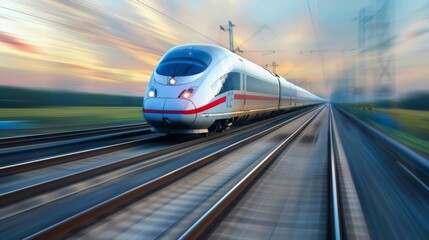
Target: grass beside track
(411,127)
(19,121)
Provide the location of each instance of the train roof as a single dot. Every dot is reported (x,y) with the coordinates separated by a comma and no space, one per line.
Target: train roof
(218,53)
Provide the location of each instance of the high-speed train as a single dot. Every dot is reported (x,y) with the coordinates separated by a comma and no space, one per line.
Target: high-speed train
(199,88)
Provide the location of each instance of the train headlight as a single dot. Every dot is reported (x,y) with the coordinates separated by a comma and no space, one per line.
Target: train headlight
(152,92)
(172,81)
(187,93)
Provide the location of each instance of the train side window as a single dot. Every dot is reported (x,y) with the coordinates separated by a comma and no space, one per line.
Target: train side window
(217,86)
(228,82)
(260,86)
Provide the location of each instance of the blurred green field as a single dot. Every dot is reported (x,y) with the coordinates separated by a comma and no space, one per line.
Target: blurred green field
(42,120)
(414,121)
(411,127)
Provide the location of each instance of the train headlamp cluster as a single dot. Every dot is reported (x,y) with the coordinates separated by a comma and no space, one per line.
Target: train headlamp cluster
(187,93)
(152,92)
(172,81)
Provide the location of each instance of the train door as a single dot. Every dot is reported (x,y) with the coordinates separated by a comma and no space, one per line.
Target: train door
(295,95)
(243,86)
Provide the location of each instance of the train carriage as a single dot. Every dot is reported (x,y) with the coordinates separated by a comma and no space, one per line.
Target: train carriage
(200,88)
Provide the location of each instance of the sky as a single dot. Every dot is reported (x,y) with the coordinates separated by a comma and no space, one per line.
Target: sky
(113,46)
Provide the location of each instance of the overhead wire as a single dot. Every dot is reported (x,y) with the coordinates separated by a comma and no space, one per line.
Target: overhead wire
(215,29)
(317,41)
(251,36)
(312,22)
(120,19)
(179,22)
(62,26)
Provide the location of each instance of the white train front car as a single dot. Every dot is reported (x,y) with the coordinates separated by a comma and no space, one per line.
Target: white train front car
(201,88)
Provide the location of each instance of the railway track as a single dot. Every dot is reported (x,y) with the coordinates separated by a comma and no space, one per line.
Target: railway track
(261,210)
(155,162)
(295,207)
(31,148)
(289,177)
(129,198)
(36,186)
(418,164)
(387,198)
(351,223)
(336,231)
(212,217)
(61,136)
(63,158)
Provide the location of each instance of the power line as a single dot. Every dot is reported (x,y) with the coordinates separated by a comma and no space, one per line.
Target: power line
(215,29)
(64,26)
(284,75)
(251,36)
(317,42)
(312,22)
(181,23)
(115,17)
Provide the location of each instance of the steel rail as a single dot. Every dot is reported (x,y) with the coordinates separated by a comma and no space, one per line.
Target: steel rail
(83,219)
(63,158)
(335,213)
(15,156)
(59,136)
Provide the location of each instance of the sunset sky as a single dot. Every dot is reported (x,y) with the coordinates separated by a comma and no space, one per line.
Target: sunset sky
(112,46)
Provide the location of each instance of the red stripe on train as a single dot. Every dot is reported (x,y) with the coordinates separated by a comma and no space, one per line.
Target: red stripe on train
(209,105)
(192,111)
(254,97)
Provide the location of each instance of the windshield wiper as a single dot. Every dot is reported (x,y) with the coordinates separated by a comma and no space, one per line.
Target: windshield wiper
(186,70)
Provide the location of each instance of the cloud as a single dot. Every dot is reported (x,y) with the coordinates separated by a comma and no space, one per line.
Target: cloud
(415,34)
(17,43)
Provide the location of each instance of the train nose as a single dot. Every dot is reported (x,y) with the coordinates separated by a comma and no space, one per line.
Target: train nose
(169,112)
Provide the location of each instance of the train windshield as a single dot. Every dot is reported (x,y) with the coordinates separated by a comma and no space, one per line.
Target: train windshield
(184,62)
